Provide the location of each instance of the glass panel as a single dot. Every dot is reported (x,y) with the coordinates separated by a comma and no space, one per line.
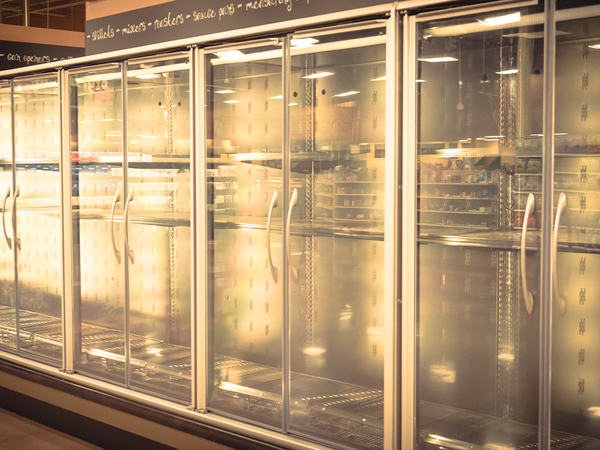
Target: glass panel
(245,256)
(39,260)
(479,90)
(8,336)
(159,276)
(575,364)
(97,178)
(337,129)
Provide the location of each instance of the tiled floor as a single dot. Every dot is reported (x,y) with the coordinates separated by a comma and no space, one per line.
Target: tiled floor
(17,433)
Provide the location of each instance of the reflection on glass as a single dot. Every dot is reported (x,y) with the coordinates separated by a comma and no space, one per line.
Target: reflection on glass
(97,185)
(8,336)
(479,180)
(157,238)
(245,206)
(575,368)
(37,222)
(337,129)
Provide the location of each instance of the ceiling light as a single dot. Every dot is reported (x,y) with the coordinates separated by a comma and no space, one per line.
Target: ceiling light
(380,78)
(225,91)
(232,101)
(346,94)
(319,75)
(438,59)
(304,42)
(501,20)
(230,55)
(507,72)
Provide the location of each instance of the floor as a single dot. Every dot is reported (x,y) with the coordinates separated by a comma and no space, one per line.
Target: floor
(18,433)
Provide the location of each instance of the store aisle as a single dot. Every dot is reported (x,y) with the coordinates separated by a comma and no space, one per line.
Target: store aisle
(18,433)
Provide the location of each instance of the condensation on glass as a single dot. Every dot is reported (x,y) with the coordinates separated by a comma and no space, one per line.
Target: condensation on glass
(96,124)
(244,111)
(479,87)
(157,217)
(8,317)
(131,224)
(36,219)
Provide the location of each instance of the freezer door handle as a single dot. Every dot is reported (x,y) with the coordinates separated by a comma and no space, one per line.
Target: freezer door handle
(528,296)
(126,224)
(558,297)
(271,266)
(14,220)
(8,240)
(293,202)
(112,219)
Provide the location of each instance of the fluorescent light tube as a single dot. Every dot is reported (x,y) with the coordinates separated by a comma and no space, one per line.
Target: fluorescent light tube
(507,72)
(319,75)
(303,42)
(346,94)
(148,76)
(230,55)
(438,59)
(501,20)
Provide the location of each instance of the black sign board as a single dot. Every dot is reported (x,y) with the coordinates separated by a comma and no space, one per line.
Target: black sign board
(190,18)
(23,54)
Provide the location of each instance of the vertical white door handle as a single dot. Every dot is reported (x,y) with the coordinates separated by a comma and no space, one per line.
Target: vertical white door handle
(271,266)
(112,219)
(558,297)
(528,296)
(126,225)
(293,201)
(14,219)
(8,240)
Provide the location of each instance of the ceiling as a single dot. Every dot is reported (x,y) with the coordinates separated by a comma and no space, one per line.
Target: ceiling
(57,14)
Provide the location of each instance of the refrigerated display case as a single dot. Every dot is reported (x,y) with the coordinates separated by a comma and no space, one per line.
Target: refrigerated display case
(264,233)
(328,233)
(575,393)
(131,197)
(481,322)
(478,338)
(32,255)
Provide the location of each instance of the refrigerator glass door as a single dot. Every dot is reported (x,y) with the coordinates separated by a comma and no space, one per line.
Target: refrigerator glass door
(8,318)
(36,216)
(157,217)
(335,235)
(576,244)
(244,136)
(479,91)
(97,209)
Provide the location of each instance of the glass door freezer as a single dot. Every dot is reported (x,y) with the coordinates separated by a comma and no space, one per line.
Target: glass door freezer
(131,208)
(479,209)
(295,175)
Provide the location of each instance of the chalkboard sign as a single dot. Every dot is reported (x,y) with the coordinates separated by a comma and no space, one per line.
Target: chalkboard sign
(190,18)
(23,54)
